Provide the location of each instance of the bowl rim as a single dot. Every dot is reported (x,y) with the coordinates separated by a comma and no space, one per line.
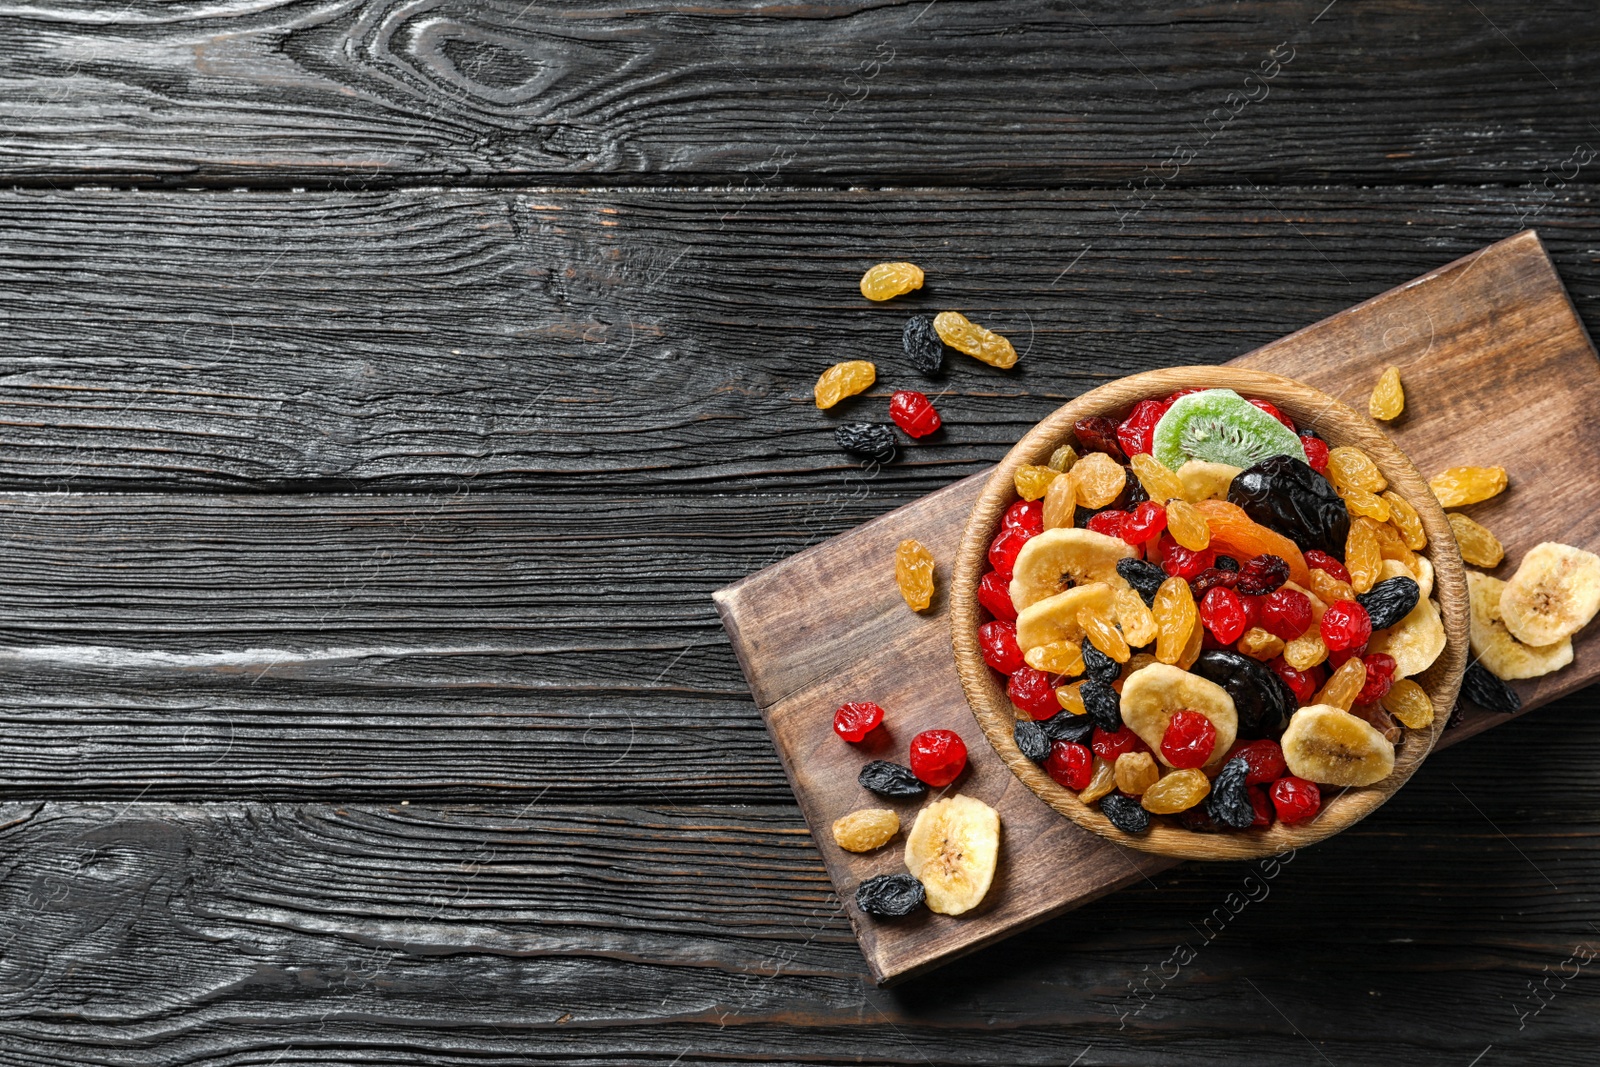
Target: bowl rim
(1307,406)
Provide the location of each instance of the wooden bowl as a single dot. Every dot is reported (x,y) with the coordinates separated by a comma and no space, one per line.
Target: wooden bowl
(1339,426)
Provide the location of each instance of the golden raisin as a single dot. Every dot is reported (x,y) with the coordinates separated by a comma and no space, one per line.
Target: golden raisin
(1259,644)
(1099,478)
(1178,791)
(1062,458)
(1460,486)
(1187,526)
(913,572)
(1344,685)
(1071,699)
(887,280)
(1388,396)
(1392,545)
(1138,660)
(1361,556)
(955,330)
(1057,657)
(1305,651)
(1408,702)
(1407,521)
(1191,651)
(1159,481)
(1478,546)
(1061,503)
(1137,621)
(1175,619)
(1033,482)
(842,380)
(1136,772)
(1102,634)
(1351,468)
(865,830)
(1361,502)
(1103,782)
(1328,589)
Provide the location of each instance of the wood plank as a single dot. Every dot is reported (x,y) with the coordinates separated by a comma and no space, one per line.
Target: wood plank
(838,93)
(456,342)
(235,933)
(1498,316)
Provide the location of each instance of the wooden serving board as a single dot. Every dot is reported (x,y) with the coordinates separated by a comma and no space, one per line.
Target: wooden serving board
(1497,369)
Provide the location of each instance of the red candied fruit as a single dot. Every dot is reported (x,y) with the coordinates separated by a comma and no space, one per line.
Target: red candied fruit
(914,413)
(1070,764)
(1146,521)
(1185,563)
(1025,515)
(1137,432)
(1264,758)
(1252,609)
(1108,746)
(855,720)
(1107,522)
(938,757)
(994,593)
(1222,612)
(1295,799)
(1338,656)
(1262,803)
(1319,560)
(1004,548)
(1317,452)
(1380,677)
(998,642)
(1099,434)
(1031,691)
(1286,614)
(1304,683)
(1345,625)
(1271,409)
(1184,392)
(1189,739)
(1263,574)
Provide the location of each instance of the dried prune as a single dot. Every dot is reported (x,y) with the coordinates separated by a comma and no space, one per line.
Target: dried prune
(1229,803)
(890,895)
(1145,577)
(1099,434)
(1487,691)
(891,780)
(1031,740)
(1100,667)
(1390,601)
(923,345)
(1287,496)
(1263,701)
(1125,813)
(871,440)
(1103,705)
(1065,726)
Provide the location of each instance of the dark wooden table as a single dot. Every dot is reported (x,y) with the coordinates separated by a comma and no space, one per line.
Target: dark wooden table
(388,385)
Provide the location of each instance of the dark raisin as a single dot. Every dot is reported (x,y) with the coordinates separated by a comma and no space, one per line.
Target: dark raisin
(1103,704)
(891,780)
(1144,576)
(1081,519)
(1229,801)
(1284,494)
(1457,717)
(1099,666)
(1487,691)
(1125,813)
(872,440)
(1195,820)
(923,346)
(1390,600)
(1133,492)
(1263,575)
(1099,434)
(1065,726)
(1306,431)
(890,895)
(1211,578)
(1262,700)
(1031,739)
(1227,563)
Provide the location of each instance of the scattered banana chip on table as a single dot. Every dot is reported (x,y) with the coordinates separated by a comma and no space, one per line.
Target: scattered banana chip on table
(952,850)
(1496,647)
(1554,594)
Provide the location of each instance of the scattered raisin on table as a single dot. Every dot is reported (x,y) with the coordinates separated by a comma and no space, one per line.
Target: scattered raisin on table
(1479,546)
(865,829)
(842,380)
(890,895)
(1489,692)
(922,344)
(913,572)
(1388,398)
(884,281)
(891,780)
(1460,486)
(963,335)
(866,439)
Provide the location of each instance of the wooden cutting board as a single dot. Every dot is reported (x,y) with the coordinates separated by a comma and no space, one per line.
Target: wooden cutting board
(1497,369)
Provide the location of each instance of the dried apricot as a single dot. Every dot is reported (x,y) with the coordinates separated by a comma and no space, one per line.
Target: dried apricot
(1032,482)
(1099,479)
(1460,486)
(963,335)
(1351,468)
(1233,533)
(886,280)
(913,572)
(1388,396)
(865,830)
(1478,545)
(842,380)
(1407,521)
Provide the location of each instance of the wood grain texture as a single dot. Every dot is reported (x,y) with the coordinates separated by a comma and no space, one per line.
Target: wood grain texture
(449,342)
(1487,306)
(337,94)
